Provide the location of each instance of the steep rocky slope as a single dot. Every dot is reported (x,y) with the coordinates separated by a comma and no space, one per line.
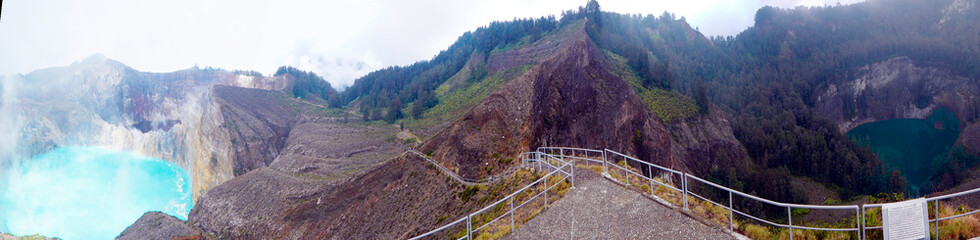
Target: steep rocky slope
(257,123)
(158,225)
(572,96)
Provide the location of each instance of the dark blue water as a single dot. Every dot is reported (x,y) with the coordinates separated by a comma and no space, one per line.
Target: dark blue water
(89,193)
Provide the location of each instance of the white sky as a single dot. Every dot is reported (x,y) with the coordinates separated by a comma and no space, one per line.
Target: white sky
(338,39)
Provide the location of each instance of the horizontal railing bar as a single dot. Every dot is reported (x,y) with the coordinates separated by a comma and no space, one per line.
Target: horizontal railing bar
(490,222)
(651,164)
(511,212)
(440,229)
(822,207)
(556,168)
(516,192)
(956,216)
(826,229)
(554,157)
(761,220)
(568,148)
(706,199)
(582,158)
(953,195)
(658,182)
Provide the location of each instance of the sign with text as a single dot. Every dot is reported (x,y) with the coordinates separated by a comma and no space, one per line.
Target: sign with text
(906,220)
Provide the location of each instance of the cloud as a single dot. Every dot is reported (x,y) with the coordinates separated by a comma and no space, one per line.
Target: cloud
(263,35)
(338,70)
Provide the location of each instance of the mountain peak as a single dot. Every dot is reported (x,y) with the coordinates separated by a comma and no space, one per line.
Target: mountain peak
(99,59)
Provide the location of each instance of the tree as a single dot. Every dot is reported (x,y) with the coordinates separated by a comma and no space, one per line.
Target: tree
(417,110)
(593,10)
(425,101)
(376,114)
(308,84)
(896,181)
(365,112)
(701,98)
(394,111)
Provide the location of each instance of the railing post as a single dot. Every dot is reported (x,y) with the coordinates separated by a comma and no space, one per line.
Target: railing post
(539,162)
(469,227)
(626,172)
(937,216)
(604,169)
(789,214)
(650,171)
(651,186)
(684,184)
(512,214)
(857,221)
(861,223)
(573,173)
(731,213)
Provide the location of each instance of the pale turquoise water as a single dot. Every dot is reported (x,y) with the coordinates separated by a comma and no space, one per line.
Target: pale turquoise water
(89,192)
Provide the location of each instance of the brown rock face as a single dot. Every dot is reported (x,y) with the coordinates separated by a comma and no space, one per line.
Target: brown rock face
(258,123)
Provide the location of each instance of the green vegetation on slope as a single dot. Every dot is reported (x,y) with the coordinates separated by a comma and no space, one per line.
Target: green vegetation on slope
(418,81)
(669,105)
(309,86)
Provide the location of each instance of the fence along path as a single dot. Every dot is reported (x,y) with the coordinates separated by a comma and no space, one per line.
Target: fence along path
(460,179)
(502,212)
(556,159)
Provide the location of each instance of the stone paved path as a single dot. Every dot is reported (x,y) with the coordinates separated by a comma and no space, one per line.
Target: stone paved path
(600,209)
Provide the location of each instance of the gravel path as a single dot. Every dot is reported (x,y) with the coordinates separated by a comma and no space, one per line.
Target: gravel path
(600,209)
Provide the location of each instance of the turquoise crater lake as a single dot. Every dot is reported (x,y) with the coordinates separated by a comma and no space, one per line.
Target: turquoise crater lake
(89,192)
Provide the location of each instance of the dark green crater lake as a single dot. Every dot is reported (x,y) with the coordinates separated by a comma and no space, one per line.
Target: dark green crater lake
(916,147)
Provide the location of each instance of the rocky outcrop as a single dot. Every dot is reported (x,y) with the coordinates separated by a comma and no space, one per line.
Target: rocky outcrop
(703,143)
(257,123)
(158,225)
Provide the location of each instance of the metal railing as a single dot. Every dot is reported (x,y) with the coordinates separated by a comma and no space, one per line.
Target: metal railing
(667,177)
(507,207)
(556,159)
(451,174)
(934,218)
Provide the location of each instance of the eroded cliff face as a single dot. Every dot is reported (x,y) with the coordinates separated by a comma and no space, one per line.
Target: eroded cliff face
(289,158)
(895,88)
